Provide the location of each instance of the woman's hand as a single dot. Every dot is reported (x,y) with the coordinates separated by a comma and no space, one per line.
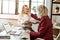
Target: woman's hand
(28,31)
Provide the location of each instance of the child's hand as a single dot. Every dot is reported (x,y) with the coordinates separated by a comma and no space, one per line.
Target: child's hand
(28,23)
(28,31)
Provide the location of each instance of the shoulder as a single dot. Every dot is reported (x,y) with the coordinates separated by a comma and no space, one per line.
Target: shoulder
(19,16)
(45,18)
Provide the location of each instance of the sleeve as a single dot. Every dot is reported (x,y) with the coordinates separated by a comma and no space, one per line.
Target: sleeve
(35,17)
(41,32)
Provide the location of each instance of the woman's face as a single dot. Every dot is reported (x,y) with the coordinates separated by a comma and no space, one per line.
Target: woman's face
(26,9)
(40,9)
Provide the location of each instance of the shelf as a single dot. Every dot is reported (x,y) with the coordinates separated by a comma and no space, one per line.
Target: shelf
(56,2)
(56,14)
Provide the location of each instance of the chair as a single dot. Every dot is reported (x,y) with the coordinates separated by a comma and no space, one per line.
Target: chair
(39,39)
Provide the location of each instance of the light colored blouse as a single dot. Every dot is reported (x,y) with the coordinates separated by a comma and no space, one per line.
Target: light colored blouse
(23,19)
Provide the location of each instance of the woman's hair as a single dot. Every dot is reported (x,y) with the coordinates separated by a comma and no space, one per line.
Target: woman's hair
(43,11)
(22,11)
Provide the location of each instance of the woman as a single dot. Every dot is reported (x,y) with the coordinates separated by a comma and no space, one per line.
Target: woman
(24,18)
(45,30)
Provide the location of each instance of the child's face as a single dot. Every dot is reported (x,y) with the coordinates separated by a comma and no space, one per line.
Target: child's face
(26,10)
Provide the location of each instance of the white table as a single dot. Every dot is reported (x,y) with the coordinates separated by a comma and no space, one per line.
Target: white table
(15,37)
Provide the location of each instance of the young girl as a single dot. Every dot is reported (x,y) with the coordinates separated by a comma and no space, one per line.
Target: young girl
(24,18)
(45,28)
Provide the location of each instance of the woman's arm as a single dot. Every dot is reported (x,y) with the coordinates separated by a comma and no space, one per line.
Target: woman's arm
(35,17)
(41,32)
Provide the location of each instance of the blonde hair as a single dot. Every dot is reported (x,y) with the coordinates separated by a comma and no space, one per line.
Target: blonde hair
(22,12)
(43,10)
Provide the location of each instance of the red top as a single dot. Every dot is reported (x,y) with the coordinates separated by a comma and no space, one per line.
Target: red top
(45,28)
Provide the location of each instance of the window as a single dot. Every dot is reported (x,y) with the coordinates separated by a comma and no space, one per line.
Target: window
(12,6)
(8,6)
(35,4)
(15,6)
(0,6)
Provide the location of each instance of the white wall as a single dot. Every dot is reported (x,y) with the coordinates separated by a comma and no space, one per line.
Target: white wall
(48,5)
(6,16)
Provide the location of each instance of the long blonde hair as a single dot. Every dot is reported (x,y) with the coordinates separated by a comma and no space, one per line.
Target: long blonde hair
(43,11)
(22,11)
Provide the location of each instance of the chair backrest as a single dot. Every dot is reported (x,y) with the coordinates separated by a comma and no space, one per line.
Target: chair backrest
(39,39)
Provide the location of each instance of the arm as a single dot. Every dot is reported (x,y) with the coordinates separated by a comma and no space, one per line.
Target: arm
(41,32)
(35,17)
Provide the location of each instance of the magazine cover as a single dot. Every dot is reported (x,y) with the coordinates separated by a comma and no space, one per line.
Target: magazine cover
(29,19)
